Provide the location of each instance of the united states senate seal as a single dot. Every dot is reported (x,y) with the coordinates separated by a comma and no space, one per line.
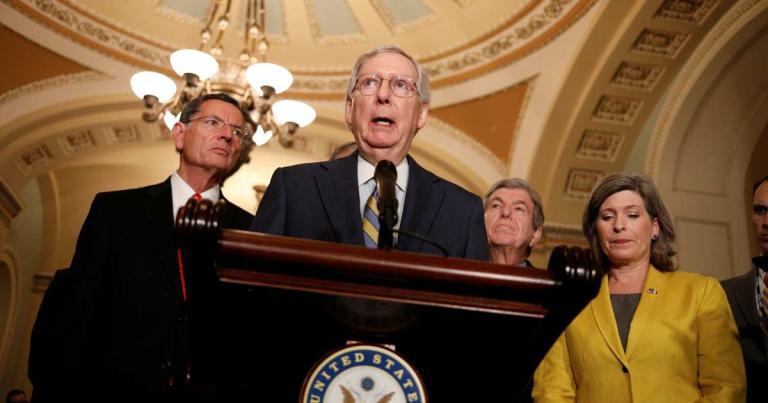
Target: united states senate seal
(363,373)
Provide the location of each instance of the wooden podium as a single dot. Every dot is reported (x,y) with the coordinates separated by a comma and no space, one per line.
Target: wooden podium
(265,309)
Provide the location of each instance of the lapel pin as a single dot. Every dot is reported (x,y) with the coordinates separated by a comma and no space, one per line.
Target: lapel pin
(652,291)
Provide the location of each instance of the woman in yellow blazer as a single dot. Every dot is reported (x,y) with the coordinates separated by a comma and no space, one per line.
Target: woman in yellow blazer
(652,334)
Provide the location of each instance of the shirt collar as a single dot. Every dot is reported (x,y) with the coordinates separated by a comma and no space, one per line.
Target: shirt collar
(365,171)
(181,192)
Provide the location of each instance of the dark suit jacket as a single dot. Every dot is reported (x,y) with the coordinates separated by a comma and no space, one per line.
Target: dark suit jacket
(741,296)
(117,326)
(320,201)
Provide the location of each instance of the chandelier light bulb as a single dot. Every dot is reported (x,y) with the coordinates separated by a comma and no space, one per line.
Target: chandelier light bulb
(151,83)
(263,46)
(223,23)
(298,112)
(270,75)
(194,61)
(205,35)
(260,137)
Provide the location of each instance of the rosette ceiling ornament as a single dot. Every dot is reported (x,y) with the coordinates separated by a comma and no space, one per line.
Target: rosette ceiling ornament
(251,80)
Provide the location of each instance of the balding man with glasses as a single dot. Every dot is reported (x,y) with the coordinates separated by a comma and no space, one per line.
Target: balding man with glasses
(386,105)
(117,331)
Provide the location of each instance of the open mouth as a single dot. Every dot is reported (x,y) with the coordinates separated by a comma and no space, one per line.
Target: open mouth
(383,121)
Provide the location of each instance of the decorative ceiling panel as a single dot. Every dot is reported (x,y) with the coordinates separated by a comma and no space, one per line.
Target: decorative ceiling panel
(196,9)
(402,16)
(693,11)
(274,20)
(333,22)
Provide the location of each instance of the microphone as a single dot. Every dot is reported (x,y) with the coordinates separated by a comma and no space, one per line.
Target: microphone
(385,176)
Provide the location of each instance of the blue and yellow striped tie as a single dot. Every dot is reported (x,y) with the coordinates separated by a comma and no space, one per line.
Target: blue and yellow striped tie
(371,221)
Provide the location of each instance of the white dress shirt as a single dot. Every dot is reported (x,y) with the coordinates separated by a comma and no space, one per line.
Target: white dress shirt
(366,184)
(181,192)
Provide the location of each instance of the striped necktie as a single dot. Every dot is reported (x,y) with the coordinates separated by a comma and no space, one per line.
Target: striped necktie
(371,221)
(761,289)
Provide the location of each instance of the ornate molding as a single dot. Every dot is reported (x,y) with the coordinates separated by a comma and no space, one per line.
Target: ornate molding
(77,141)
(34,159)
(561,234)
(123,134)
(612,109)
(581,182)
(53,82)
(637,76)
(330,84)
(96,32)
(660,43)
(599,145)
(681,87)
(691,11)
(511,38)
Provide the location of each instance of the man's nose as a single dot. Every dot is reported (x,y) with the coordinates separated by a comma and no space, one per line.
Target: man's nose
(227,133)
(384,93)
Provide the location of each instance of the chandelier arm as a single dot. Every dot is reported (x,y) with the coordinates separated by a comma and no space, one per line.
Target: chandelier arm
(214,11)
(255,99)
(261,16)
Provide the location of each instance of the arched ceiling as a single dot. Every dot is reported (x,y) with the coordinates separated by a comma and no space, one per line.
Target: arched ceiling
(318,39)
(554,91)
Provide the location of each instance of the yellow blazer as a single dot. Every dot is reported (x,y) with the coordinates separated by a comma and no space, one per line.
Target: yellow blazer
(682,347)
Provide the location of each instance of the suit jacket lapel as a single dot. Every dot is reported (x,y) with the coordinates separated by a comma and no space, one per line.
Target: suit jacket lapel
(158,206)
(337,184)
(645,314)
(422,202)
(602,311)
(745,297)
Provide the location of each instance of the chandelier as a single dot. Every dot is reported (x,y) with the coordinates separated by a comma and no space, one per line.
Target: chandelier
(250,80)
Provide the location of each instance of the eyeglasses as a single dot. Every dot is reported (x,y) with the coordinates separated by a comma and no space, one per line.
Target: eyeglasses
(369,84)
(214,124)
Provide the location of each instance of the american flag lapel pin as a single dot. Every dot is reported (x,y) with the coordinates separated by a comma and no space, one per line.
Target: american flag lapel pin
(652,291)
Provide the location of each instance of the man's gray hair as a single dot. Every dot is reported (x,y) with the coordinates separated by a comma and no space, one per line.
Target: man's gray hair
(422,80)
(517,183)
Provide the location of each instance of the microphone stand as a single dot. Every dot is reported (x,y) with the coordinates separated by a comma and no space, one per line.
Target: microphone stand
(386,177)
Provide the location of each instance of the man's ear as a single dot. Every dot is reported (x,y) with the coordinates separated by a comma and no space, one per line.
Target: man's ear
(536,237)
(424,109)
(348,112)
(177,132)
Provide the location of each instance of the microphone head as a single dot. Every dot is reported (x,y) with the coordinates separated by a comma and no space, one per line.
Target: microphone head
(385,167)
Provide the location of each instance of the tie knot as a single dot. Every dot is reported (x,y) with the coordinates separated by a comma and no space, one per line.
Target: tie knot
(197,196)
